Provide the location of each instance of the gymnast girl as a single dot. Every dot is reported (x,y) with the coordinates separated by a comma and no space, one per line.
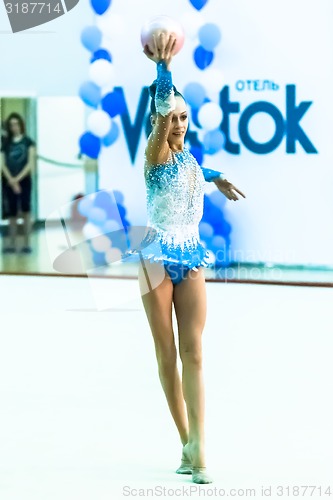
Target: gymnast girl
(175,191)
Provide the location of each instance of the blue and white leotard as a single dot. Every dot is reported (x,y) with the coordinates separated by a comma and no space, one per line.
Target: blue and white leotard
(175,195)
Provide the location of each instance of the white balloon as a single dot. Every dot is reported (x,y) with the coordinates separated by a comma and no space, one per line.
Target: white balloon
(101,72)
(210,116)
(99,123)
(192,22)
(113,255)
(91,231)
(101,243)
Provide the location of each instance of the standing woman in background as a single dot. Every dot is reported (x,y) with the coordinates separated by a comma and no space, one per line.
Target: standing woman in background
(175,191)
(18,153)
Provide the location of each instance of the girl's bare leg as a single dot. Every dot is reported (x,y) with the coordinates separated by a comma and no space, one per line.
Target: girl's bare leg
(190,306)
(158,306)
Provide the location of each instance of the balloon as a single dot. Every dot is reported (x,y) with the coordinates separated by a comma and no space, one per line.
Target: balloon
(165,24)
(206,230)
(198,4)
(90,145)
(213,141)
(113,255)
(113,103)
(210,116)
(209,36)
(111,225)
(192,22)
(90,93)
(100,6)
(101,72)
(194,94)
(91,231)
(111,136)
(217,199)
(91,38)
(101,243)
(101,54)
(97,216)
(84,206)
(203,57)
(119,197)
(197,152)
(102,199)
(99,123)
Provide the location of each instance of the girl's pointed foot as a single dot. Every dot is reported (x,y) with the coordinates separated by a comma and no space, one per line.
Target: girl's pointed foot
(200,476)
(186,465)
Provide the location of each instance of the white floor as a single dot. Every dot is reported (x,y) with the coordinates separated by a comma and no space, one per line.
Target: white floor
(83,415)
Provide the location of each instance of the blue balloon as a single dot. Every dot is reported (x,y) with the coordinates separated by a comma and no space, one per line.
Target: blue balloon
(197,152)
(119,197)
(113,103)
(100,6)
(101,54)
(194,117)
(213,141)
(112,136)
(110,226)
(198,4)
(84,206)
(122,211)
(90,93)
(102,199)
(98,257)
(203,57)
(90,144)
(91,37)
(218,198)
(97,216)
(209,36)
(206,230)
(194,94)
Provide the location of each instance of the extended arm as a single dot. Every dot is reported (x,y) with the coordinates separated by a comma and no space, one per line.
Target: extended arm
(211,175)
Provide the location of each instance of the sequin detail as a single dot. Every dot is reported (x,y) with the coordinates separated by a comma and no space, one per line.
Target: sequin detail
(165,101)
(174,195)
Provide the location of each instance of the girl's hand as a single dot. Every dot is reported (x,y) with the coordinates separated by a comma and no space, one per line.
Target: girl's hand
(228,189)
(16,187)
(164,45)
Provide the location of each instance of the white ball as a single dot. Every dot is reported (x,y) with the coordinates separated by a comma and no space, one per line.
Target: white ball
(101,243)
(101,72)
(99,122)
(210,116)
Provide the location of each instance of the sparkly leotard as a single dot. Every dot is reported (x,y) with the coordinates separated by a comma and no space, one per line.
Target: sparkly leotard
(174,196)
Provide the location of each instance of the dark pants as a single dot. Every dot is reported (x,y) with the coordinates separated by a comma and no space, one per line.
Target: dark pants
(12,201)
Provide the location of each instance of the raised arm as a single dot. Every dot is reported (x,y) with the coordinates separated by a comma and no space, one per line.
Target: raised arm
(157,150)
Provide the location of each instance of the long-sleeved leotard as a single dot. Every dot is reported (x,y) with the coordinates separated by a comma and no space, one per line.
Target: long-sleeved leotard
(174,196)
